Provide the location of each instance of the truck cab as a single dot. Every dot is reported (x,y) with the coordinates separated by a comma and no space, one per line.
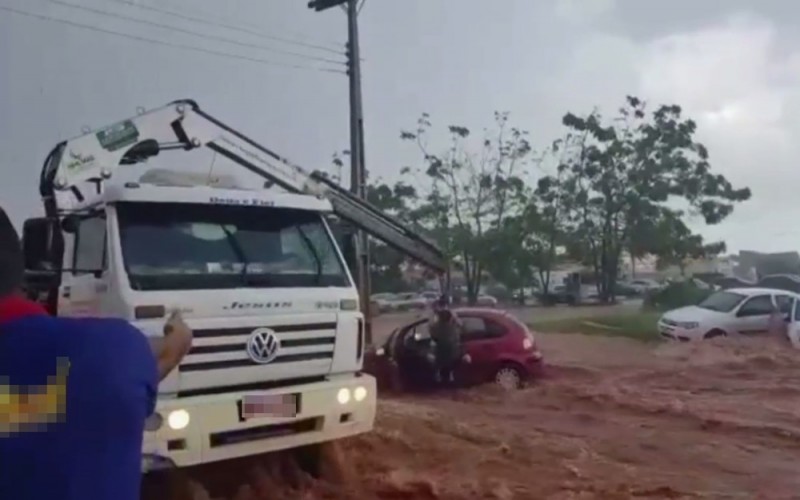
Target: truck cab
(259,279)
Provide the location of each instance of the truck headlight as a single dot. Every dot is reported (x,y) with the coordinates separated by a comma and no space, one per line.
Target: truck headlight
(343,396)
(360,394)
(178,419)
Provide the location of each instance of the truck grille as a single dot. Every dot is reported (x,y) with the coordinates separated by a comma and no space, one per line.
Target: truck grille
(315,342)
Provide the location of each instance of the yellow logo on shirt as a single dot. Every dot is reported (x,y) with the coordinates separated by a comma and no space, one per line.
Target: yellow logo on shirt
(32,408)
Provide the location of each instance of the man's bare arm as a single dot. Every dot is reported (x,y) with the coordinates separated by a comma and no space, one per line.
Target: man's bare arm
(170,349)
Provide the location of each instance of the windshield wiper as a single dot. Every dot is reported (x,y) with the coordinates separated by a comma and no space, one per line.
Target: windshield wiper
(237,249)
(314,253)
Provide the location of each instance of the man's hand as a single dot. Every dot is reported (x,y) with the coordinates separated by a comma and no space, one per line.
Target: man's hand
(170,349)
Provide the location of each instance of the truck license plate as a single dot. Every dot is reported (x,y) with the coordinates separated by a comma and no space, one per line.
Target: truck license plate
(269,405)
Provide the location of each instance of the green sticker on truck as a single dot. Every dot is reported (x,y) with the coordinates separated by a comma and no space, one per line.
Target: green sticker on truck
(118,136)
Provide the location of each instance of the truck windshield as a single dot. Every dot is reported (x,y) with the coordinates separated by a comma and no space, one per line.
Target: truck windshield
(182,246)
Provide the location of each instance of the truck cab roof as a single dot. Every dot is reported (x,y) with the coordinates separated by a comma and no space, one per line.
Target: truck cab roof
(147,193)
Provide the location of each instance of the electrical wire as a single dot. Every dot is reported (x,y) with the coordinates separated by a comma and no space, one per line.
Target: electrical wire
(195,33)
(229,26)
(226,55)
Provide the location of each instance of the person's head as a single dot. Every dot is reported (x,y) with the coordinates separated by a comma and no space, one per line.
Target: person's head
(11,259)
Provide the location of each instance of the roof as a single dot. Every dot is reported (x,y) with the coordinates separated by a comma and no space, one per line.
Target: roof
(489,311)
(750,291)
(213,196)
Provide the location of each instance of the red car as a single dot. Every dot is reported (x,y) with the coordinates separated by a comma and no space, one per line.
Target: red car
(497,346)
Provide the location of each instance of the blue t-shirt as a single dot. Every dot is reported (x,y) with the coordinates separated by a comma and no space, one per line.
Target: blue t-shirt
(94,452)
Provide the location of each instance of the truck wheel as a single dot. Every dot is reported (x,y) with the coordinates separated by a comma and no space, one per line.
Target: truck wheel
(716,332)
(325,461)
(508,377)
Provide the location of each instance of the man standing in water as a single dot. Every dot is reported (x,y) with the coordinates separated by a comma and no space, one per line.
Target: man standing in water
(445,330)
(74,394)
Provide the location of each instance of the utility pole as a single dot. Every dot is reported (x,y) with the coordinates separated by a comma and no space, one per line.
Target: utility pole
(357,248)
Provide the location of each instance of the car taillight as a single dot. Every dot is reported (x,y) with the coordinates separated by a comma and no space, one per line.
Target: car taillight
(527,343)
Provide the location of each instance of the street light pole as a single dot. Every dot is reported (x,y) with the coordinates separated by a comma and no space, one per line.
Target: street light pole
(357,248)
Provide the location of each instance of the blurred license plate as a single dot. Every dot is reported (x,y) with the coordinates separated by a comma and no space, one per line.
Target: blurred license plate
(269,405)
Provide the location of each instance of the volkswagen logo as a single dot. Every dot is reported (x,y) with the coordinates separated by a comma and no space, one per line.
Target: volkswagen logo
(263,346)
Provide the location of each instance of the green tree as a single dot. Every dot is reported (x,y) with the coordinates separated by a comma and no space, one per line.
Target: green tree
(471,193)
(674,243)
(386,264)
(626,172)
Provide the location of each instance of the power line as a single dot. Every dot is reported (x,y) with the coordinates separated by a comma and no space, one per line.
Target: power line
(194,33)
(154,41)
(233,27)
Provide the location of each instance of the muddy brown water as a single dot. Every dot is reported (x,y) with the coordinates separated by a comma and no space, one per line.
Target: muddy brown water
(614,419)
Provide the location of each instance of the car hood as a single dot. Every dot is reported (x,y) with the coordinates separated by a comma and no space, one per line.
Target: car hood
(692,313)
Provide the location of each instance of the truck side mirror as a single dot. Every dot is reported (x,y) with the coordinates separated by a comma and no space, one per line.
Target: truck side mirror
(37,240)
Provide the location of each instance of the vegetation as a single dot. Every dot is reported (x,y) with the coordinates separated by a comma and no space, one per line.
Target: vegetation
(639,326)
(675,295)
(500,208)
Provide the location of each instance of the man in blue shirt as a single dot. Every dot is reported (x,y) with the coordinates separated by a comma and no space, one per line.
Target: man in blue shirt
(74,394)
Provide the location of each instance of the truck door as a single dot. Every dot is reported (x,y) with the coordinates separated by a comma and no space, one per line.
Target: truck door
(85,280)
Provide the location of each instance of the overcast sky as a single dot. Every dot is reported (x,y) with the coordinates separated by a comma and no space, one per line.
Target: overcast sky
(734,66)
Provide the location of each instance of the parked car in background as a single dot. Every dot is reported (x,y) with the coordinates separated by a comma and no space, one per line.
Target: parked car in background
(430,296)
(627,289)
(383,302)
(643,286)
(409,301)
(736,311)
(500,349)
(486,301)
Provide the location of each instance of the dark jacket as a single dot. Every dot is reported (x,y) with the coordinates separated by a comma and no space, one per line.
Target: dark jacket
(447,335)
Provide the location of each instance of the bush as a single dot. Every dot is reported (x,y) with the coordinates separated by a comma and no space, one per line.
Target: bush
(675,295)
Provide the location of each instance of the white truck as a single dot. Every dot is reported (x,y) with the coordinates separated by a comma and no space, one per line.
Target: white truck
(278,333)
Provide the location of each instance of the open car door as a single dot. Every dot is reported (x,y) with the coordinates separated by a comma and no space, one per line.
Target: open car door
(793,326)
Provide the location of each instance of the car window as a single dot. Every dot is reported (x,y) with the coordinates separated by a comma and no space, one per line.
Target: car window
(760,305)
(722,301)
(784,303)
(475,328)
(418,326)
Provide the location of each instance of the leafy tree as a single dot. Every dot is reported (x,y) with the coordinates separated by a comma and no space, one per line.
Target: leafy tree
(386,264)
(674,244)
(625,173)
(471,193)
(518,249)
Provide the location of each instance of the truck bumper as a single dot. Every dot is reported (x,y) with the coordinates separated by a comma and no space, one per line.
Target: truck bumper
(216,432)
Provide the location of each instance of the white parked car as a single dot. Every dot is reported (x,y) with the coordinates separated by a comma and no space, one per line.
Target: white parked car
(644,285)
(736,311)
(409,301)
(384,301)
(486,301)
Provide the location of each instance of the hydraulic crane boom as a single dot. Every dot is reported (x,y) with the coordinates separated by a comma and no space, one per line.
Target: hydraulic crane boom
(75,170)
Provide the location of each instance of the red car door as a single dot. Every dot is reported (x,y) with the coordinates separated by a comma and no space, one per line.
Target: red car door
(480,339)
